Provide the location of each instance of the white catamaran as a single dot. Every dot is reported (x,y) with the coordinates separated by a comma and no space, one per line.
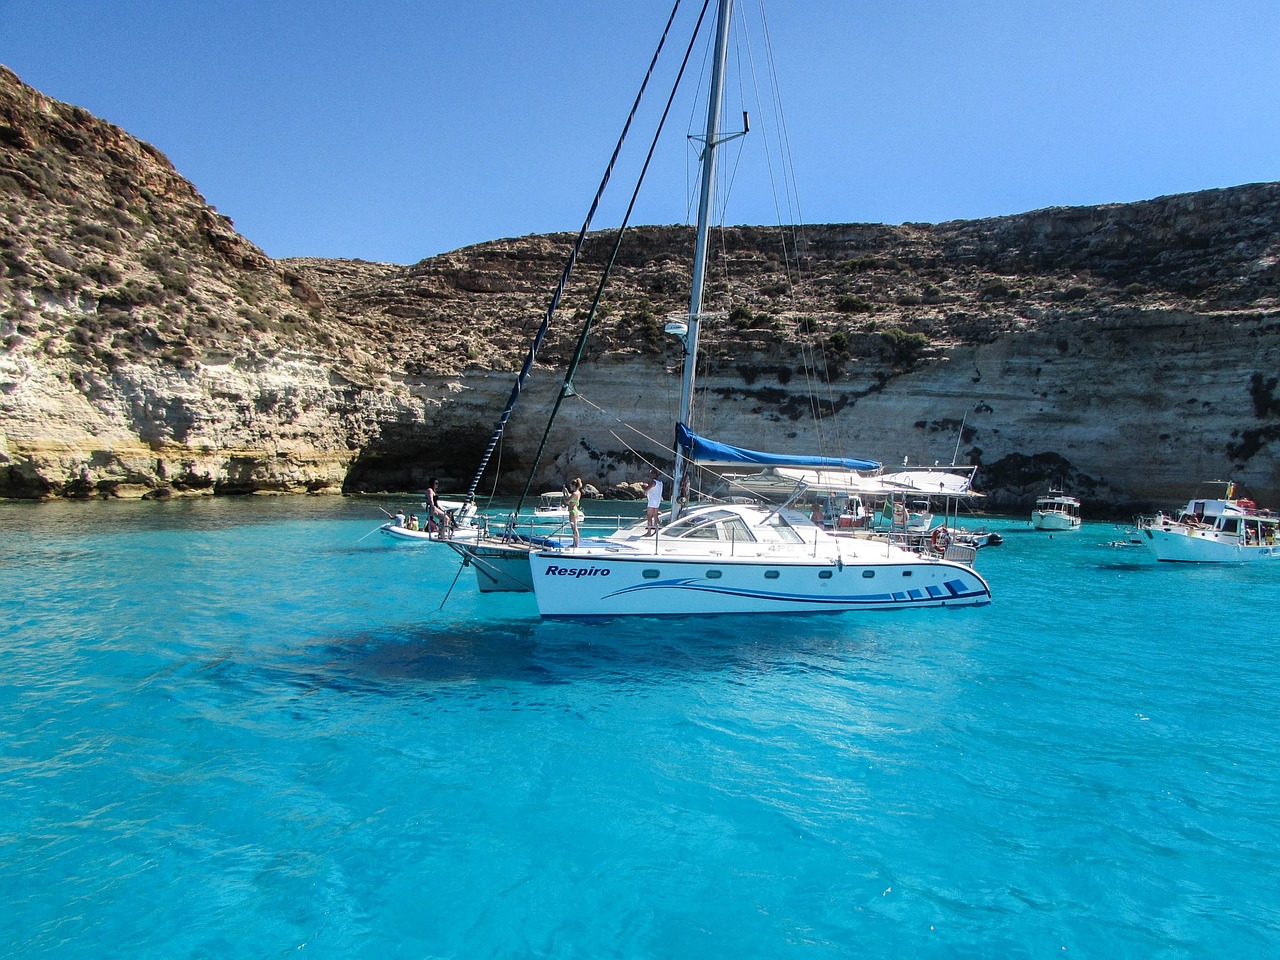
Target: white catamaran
(743,558)
(737,558)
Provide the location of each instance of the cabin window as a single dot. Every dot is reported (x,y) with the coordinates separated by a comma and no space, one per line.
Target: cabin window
(697,522)
(714,574)
(771,574)
(906,573)
(824,574)
(651,574)
(716,525)
(707,531)
(868,574)
(783,530)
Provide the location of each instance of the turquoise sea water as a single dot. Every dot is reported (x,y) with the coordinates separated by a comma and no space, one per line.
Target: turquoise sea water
(247,729)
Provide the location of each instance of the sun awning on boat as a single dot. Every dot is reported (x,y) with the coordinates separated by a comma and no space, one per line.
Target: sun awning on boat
(849,483)
(821,481)
(957,482)
(704,451)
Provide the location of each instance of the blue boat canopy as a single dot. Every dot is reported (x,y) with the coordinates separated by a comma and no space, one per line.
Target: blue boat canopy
(701,450)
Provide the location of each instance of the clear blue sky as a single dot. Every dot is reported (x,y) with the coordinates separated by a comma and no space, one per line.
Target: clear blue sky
(397,129)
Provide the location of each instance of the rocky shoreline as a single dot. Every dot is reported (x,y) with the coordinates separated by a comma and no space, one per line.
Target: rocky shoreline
(1125,352)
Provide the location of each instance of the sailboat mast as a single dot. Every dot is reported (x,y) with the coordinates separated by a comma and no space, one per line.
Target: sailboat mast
(715,100)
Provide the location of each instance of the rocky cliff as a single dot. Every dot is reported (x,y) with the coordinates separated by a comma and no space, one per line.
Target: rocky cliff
(1126,351)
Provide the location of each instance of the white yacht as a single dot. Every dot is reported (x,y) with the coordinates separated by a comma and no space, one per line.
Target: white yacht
(1056,511)
(1208,530)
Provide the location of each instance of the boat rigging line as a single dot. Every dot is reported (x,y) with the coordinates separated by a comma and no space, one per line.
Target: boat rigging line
(819,359)
(567,389)
(545,326)
(449,592)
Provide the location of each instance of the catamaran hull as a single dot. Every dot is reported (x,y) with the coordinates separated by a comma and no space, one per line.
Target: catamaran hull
(569,587)
(1054,521)
(1174,546)
(499,567)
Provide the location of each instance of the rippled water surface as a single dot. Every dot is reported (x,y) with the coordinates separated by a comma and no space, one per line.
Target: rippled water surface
(254,728)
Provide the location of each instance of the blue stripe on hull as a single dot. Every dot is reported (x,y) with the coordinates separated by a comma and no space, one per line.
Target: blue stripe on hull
(955,590)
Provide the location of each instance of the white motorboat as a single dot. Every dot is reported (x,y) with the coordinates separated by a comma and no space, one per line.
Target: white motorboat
(462,532)
(1056,511)
(412,529)
(407,534)
(1225,530)
(551,506)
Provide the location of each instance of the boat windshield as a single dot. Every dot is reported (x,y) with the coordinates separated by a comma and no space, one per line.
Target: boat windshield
(716,525)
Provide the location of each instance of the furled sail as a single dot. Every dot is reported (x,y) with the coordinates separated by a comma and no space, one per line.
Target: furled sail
(701,450)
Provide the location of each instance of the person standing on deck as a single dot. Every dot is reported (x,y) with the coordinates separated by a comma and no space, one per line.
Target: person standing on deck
(434,510)
(575,509)
(652,488)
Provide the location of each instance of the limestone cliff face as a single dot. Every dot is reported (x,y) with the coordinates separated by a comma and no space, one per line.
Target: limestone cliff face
(1126,351)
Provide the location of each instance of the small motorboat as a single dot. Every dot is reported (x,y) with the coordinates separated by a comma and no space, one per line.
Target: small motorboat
(1056,511)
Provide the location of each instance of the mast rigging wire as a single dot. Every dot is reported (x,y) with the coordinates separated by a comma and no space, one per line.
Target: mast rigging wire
(545,326)
(566,389)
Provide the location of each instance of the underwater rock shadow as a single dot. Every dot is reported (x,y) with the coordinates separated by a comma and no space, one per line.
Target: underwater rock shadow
(538,652)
